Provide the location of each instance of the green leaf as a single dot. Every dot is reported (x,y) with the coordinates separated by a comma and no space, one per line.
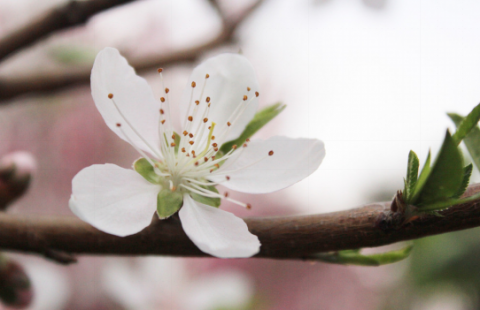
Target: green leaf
(445,177)
(412,174)
(353,257)
(471,140)
(143,167)
(467,124)
(446,204)
(259,120)
(168,203)
(214,202)
(422,178)
(467,172)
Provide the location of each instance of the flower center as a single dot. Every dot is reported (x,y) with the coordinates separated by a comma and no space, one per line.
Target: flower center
(187,159)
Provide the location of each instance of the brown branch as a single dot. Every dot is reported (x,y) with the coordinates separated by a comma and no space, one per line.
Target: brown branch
(64,16)
(289,237)
(10,88)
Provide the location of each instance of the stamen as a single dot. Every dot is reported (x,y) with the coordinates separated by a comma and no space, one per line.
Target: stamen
(270,153)
(207,99)
(197,102)
(245,97)
(183,149)
(257,94)
(248,89)
(194,84)
(162,111)
(227,177)
(190,135)
(167,90)
(185,133)
(205,120)
(190,118)
(160,70)
(162,99)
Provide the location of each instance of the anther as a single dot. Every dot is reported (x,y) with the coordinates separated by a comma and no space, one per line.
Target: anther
(110,96)
(207,76)
(174,188)
(196,163)
(205,120)
(162,112)
(234,147)
(193,152)
(248,88)
(245,97)
(207,99)
(191,142)
(209,127)
(244,145)
(173,136)
(197,102)
(217,165)
(270,153)
(162,99)
(167,90)
(190,135)
(190,118)
(211,170)
(183,149)
(213,137)
(227,177)
(194,84)
(214,145)
(247,140)
(215,149)
(206,159)
(172,144)
(228,124)
(185,132)
(257,94)
(119,125)
(225,194)
(163,121)
(249,206)
(213,157)
(160,70)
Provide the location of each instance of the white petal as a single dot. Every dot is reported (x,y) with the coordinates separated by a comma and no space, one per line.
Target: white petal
(217,232)
(115,200)
(230,75)
(111,73)
(292,161)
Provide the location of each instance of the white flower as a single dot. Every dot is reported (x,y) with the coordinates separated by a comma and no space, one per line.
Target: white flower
(165,283)
(218,103)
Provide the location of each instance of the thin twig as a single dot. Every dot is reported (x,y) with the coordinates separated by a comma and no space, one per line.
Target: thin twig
(10,88)
(288,237)
(64,16)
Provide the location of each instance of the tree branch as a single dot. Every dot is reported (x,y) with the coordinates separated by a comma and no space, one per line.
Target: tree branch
(288,237)
(64,16)
(10,88)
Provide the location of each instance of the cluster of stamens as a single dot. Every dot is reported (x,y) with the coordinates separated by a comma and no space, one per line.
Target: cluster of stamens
(186,161)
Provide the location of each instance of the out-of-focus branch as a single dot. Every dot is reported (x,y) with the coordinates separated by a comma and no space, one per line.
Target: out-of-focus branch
(288,237)
(10,88)
(64,16)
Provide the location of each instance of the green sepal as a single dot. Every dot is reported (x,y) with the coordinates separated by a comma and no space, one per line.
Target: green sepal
(422,177)
(471,140)
(467,172)
(446,204)
(214,202)
(412,174)
(168,203)
(354,257)
(467,124)
(259,120)
(445,177)
(143,167)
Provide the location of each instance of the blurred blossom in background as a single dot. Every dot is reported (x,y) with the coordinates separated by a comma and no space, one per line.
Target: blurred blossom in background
(372,79)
